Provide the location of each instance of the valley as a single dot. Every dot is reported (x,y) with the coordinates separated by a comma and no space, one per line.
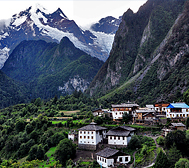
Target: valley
(113,95)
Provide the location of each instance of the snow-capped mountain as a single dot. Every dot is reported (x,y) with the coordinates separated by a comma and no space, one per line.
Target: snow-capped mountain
(37,23)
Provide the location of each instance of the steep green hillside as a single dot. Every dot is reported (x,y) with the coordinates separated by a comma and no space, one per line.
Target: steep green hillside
(11,92)
(50,69)
(137,57)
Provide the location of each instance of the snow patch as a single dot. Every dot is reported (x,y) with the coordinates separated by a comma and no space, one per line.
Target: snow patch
(104,40)
(4,35)
(4,54)
(19,21)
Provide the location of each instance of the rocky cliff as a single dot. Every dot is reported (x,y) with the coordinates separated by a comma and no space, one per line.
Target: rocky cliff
(149,45)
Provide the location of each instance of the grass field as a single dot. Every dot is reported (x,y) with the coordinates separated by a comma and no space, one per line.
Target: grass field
(69,112)
(51,161)
(63,121)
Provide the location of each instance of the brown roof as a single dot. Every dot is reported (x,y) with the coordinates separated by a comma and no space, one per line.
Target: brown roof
(161,105)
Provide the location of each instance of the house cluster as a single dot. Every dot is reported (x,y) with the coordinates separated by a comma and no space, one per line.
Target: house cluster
(146,115)
(90,136)
(173,127)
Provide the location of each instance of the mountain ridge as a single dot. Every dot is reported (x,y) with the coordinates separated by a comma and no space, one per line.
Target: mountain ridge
(50,69)
(142,62)
(37,23)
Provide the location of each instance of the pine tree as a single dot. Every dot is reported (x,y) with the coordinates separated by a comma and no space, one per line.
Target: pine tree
(161,161)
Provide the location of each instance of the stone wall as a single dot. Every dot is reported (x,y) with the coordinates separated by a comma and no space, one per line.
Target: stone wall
(87,146)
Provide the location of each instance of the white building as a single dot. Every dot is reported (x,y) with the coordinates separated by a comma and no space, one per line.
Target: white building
(90,136)
(72,135)
(119,109)
(120,135)
(177,110)
(150,107)
(110,157)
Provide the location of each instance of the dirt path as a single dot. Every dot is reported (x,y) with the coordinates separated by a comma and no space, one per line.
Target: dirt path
(157,146)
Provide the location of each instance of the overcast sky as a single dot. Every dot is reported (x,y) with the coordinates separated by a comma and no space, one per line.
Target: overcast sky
(83,12)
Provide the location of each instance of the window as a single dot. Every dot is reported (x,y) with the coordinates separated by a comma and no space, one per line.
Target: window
(186,110)
(110,137)
(97,157)
(91,137)
(91,132)
(114,137)
(88,137)
(126,159)
(105,160)
(80,132)
(80,137)
(118,138)
(84,137)
(120,159)
(84,132)
(88,132)
(116,113)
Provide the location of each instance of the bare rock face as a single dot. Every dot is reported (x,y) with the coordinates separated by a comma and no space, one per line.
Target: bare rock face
(149,52)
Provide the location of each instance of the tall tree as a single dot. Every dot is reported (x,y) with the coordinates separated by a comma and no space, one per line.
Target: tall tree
(173,155)
(182,163)
(161,161)
(65,150)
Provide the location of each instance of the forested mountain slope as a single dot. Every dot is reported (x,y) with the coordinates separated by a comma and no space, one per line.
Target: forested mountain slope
(149,54)
(50,69)
(11,92)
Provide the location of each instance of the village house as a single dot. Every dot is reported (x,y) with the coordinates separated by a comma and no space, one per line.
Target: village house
(72,135)
(110,157)
(120,136)
(90,136)
(177,111)
(119,109)
(173,127)
(102,112)
(150,107)
(161,108)
(144,115)
(178,126)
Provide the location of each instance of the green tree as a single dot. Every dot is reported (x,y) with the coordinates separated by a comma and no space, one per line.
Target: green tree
(187,122)
(134,142)
(127,118)
(186,97)
(179,138)
(160,140)
(20,125)
(65,150)
(38,102)
(173,155)
(40,152)
(161,161)
(182,163)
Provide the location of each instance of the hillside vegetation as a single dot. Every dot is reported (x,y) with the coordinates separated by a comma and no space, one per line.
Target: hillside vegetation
(149,55)
(49,69)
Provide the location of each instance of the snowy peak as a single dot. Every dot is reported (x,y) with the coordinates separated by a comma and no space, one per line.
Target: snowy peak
(38,23)
(107,25)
